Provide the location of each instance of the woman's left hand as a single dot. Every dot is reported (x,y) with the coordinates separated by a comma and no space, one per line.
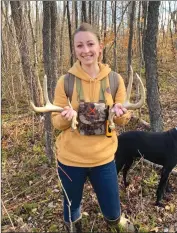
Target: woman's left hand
(118,109)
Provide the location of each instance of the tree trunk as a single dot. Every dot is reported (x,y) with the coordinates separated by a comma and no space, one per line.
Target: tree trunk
(61,39)
(84,12)
(53,46)
(115,40)
(131,22)
(93,9)
(47,67)
(150,56)
(35,54)
(21,34)
(171,33)
(70,34)
(144,16)
(104,28)
(90,12)
(76,13)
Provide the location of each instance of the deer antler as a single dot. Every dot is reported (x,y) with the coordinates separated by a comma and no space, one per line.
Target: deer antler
(52,108)
(127,104)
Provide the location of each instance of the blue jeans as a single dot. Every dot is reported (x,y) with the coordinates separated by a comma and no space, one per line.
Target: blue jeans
(104,182)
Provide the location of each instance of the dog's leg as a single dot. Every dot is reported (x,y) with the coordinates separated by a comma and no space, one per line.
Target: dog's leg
(120,161)
(162,185)
(168,187)
(125,170)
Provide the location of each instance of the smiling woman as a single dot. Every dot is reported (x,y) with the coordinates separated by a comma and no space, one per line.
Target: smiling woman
(87,151)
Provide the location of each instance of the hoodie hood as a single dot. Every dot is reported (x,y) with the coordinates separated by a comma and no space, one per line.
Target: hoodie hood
(77,70)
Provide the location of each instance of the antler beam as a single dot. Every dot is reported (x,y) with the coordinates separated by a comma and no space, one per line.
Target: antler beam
(127,104)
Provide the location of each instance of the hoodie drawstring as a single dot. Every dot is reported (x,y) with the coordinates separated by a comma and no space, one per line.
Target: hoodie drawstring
(92,90)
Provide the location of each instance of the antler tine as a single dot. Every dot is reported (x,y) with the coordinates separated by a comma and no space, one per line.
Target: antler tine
(132,106)
(127,104)
(130,82)
(48,107)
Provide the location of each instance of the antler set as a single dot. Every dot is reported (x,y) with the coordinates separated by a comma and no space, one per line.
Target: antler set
(130,106)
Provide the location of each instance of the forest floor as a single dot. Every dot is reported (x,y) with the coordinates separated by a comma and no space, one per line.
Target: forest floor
(31,193)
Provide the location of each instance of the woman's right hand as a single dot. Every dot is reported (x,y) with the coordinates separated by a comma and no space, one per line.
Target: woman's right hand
(68,113)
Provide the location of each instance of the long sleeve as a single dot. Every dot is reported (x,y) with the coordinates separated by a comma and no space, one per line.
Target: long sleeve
(120,98)
(60,99)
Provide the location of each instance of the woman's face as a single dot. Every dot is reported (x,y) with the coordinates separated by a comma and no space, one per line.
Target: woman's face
(87,48)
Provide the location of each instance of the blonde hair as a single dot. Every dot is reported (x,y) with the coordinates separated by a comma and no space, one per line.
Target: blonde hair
(86,27)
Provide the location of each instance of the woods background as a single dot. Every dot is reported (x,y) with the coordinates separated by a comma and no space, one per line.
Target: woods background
(37,40)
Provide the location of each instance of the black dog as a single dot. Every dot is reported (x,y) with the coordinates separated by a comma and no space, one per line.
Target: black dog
(159,148)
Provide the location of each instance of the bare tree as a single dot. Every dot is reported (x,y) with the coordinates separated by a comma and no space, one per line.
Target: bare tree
(139,38)
(104,13)
(144,24)
(70,34)
(54,70)
(76,13)
(84,12)
(34,51)
(131,22)
(61,39)
(50,66)
(93,9)
(27,66)
(172,19)
(150,56)
(115,40)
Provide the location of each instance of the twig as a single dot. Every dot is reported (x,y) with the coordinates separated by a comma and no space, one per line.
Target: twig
(136,164)
(69,203)
(142,175)
(143,122)
(8,215)
(65,173)
(92,225)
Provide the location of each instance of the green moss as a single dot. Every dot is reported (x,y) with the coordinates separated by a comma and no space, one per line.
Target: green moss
(53,228)
(30,206)
(152,180)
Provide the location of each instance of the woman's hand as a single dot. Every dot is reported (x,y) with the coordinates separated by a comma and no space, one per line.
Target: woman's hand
(118,109)
(68,113)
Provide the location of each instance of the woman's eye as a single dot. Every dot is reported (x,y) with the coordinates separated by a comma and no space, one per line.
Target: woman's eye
(79,46)
(91,44)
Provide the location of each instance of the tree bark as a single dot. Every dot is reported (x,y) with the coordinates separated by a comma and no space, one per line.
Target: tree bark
(47,56)
(84,12)
(90,12)
(53,46)
(21,34)
(144,25)
(115,40)
(35,54)
(104,28)
(76,14)
(150,56)
(131,22)
(61,39)
(70,34)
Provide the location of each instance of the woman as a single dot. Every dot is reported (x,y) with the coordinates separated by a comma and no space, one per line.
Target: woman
(86,152)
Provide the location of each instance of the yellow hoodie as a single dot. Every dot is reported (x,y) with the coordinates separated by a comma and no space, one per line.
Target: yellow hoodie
(78,150)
